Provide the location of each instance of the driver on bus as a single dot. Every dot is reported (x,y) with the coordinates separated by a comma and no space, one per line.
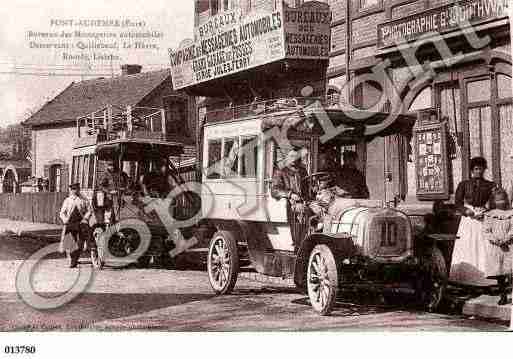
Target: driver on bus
(159,183)
(350,179)
(349,182)
(114,177)
(287,182)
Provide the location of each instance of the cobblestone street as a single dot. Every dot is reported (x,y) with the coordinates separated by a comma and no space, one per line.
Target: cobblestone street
(176,300)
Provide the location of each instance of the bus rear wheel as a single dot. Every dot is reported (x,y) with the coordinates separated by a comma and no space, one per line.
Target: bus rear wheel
(223,262)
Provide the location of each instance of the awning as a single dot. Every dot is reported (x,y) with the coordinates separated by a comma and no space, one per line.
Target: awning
(345,125)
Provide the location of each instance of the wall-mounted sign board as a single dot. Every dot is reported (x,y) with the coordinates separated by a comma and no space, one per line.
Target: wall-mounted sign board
(431,163)
(252,40)
(438,20)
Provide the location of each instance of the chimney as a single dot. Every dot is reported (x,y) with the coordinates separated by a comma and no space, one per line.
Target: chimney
(130,69)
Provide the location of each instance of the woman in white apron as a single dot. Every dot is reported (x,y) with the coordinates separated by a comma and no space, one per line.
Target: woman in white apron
(468,264)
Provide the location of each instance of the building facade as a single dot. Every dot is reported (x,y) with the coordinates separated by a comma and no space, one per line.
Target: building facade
(463,73)
(448,59)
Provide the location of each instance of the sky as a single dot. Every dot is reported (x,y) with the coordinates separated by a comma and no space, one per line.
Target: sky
(29,77)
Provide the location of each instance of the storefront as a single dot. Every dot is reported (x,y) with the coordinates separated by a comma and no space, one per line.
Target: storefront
(459,76)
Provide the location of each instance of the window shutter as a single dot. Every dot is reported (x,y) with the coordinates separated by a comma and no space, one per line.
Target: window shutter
(64,178)
(46,171)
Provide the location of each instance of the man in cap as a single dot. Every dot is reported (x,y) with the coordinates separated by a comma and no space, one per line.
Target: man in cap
(350,179)
(114,177)
(75,213)
(287,182)
(160,182)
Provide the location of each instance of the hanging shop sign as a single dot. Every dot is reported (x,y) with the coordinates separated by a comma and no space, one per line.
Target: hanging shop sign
(441,19)
(431,163)
(231,44)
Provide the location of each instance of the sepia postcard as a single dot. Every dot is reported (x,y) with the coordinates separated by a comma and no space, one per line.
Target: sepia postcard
(335,166)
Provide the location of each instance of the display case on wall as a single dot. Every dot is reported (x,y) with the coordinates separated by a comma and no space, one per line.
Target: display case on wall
(431,158)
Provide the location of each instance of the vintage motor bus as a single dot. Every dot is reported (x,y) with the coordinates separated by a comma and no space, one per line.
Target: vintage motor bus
(132,140)
(356,243)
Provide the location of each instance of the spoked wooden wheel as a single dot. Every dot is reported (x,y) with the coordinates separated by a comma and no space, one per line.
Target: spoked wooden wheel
(322,279)
(223,262)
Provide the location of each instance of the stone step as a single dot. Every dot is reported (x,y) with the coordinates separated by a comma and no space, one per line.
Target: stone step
(485,306)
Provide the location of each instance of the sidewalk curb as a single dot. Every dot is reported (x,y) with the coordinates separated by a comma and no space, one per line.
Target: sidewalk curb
(485,306)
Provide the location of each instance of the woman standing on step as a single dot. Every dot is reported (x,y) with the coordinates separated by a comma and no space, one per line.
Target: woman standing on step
(472,195)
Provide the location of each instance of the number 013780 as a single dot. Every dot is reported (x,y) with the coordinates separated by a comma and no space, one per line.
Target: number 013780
(19,349)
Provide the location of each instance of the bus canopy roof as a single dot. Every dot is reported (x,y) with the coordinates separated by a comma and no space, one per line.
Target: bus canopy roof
(138,149)
(348,125)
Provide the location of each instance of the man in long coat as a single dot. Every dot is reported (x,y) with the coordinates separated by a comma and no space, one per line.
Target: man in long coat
(75,213)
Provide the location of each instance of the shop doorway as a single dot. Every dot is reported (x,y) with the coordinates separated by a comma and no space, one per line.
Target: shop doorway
(477,105)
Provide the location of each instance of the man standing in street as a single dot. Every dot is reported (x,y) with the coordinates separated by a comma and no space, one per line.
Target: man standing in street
(75,213)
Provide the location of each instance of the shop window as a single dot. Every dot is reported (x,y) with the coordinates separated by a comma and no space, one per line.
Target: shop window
(450,111)
(231,157)
(450,104)
(478,91)
(504,86)
(506,136)
(214,159)
(422,101)
(480,131)
(249,157)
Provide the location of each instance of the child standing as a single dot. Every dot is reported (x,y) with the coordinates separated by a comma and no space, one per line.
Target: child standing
(498,236)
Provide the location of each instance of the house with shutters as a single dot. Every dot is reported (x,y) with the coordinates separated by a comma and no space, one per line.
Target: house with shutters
(53,127)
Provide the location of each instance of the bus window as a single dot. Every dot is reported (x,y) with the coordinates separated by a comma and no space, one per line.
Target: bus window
(214,159)
(249,157)
(231,157)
